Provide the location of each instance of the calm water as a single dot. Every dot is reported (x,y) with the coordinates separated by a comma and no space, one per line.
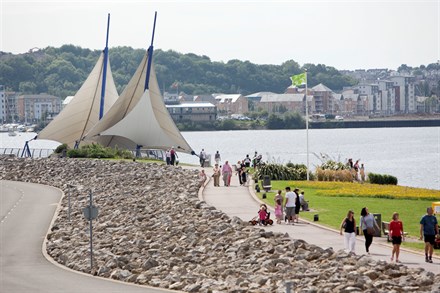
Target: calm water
(410,154)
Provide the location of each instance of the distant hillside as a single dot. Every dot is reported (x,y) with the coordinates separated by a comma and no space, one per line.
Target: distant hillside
(61,71)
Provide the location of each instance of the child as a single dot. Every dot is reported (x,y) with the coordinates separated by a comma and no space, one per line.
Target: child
(278,207)
(262,214)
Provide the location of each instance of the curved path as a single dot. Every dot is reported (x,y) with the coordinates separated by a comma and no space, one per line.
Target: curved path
(26,211)
(242,202)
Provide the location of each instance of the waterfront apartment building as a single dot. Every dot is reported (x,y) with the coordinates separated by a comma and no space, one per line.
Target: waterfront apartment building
(196,112)
(2,104)
(279,103)
(387,97)
(405,94)
(323,99)
(231,104)
(33,108)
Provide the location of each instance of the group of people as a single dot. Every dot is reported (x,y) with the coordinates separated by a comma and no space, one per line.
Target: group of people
(291,205)
(428,231)
(225,171)
(358,171)
(171,157)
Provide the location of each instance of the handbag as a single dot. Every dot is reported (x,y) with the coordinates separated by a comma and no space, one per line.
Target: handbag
(370,230)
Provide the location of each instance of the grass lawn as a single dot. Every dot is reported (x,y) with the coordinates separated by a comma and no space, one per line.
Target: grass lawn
(332,209)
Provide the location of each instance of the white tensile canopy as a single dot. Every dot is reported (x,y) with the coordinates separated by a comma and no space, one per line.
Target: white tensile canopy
(82,113)
(139,118)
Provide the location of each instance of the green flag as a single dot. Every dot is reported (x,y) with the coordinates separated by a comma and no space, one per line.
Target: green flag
(298,79)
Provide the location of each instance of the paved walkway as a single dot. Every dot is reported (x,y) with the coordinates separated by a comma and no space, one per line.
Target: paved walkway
(242,202)
(26,212)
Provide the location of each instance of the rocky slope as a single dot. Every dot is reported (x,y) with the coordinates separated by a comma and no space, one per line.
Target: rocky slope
(152,229)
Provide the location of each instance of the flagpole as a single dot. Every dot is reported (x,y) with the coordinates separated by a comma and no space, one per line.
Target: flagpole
(307,130)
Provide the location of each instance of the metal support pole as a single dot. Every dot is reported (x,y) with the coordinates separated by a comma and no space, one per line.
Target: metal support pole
(70,191)
(307,130)
(91,234)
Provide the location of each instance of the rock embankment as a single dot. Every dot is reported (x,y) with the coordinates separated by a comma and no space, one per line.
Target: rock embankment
(152,229)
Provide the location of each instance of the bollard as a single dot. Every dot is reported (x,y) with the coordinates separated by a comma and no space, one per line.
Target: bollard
(289,287)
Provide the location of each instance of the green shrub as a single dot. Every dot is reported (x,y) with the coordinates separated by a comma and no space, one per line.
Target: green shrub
(281,172)
(91,151)
(334,175)
(333,165)
(123,153)
(98,151)
(60,148)
(382,179)
(77,153)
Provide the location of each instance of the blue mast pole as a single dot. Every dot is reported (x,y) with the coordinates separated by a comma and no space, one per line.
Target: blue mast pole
(104,71)
(150,56)
(147,78)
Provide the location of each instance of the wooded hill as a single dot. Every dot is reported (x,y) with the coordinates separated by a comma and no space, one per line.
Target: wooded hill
(61,72)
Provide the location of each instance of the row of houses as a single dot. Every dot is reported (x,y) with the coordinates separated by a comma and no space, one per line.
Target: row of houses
(395,95)
(27,108)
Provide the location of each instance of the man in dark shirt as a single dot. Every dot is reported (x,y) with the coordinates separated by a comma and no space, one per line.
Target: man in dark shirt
(428,231)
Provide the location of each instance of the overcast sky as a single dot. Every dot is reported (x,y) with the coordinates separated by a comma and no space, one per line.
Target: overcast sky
(344,34)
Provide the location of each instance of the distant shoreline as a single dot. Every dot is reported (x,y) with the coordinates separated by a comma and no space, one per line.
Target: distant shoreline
(376,123)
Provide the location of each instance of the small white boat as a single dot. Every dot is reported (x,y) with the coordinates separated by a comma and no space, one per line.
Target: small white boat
(12,133)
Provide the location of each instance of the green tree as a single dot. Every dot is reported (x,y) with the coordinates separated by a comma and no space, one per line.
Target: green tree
(275,122)
(294,120)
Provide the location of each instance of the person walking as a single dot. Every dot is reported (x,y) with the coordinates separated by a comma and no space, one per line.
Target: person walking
(297,204)
(290,205)
(168,157)
(247,161)
(216,175)
(368,226)
(278,206)
(173,156)
(202,158)
(362,172)
(243,176)
(349,226)
(396,233)
(202,177)
(428,231)
(226,173)
(238,170)
(217,158)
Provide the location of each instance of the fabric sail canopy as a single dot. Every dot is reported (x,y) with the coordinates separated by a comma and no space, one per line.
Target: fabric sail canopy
(139,118)
(82,113)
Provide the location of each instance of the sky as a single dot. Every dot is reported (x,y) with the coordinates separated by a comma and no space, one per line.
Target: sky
(347,35)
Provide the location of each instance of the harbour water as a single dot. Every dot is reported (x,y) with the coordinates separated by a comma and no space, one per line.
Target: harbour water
(410,154)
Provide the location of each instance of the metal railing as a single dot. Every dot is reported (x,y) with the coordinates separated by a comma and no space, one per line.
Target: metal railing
(35,153)
(44,153)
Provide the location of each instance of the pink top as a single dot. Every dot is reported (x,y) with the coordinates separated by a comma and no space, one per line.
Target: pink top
(262,214)
(226,168)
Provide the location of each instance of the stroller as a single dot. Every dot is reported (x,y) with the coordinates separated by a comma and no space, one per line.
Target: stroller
(266,221)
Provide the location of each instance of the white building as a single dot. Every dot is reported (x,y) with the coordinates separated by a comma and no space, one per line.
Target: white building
(2,104)
(405,94)
(387,97)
